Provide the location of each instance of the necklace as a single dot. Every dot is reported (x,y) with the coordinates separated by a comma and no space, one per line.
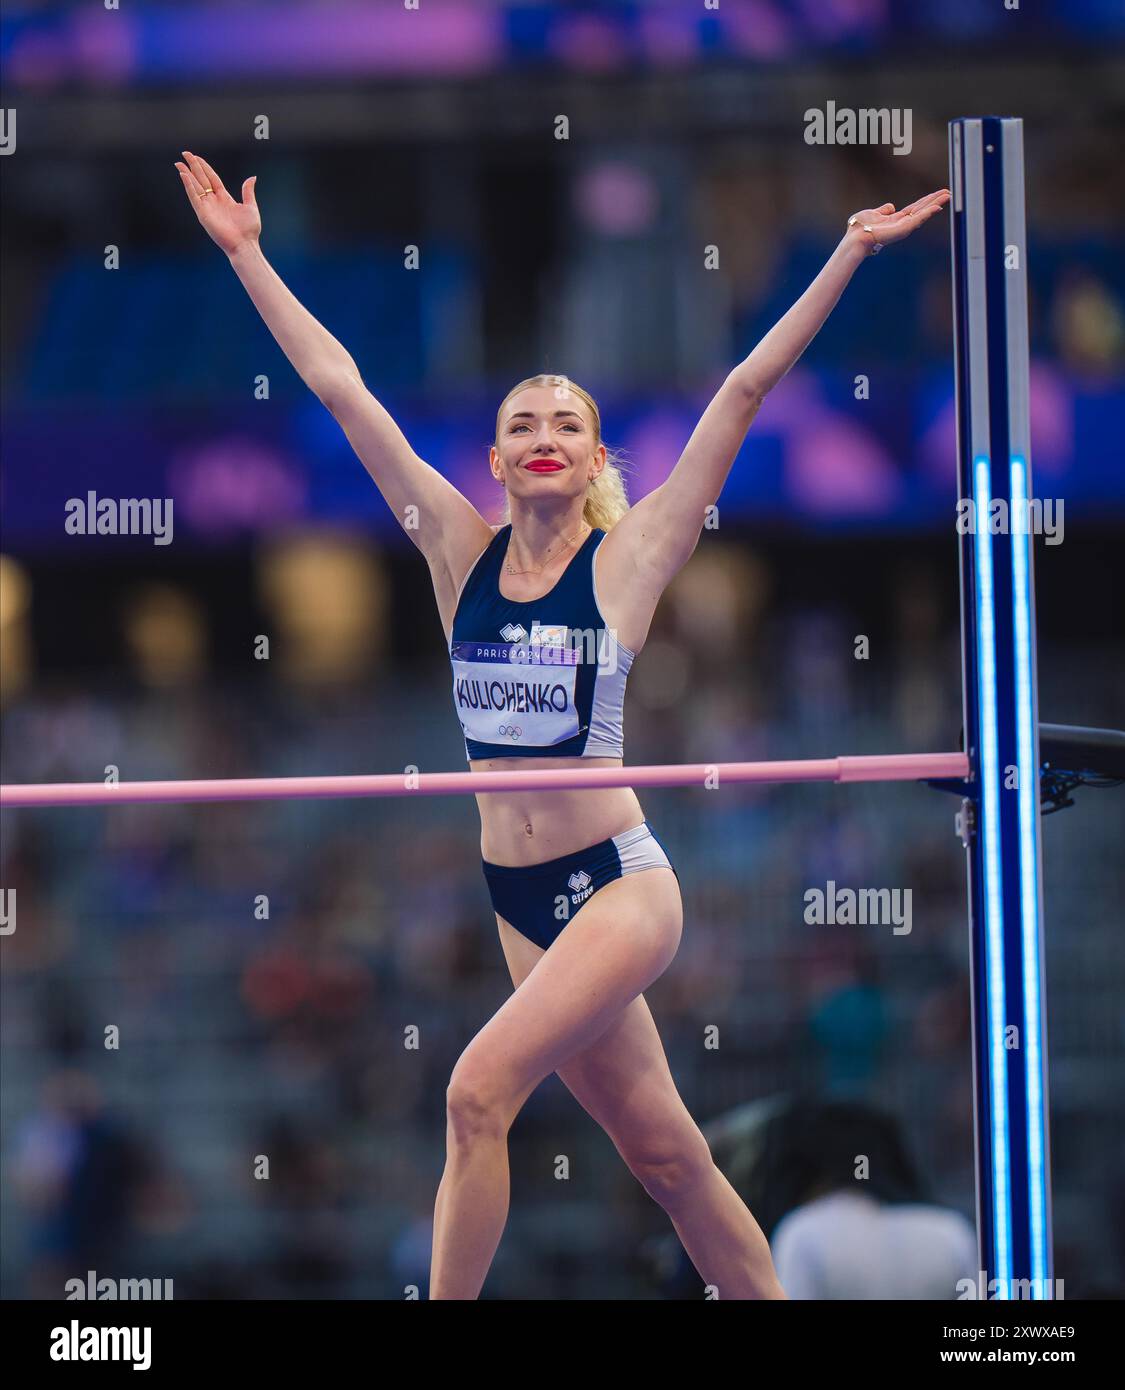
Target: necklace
(540,568)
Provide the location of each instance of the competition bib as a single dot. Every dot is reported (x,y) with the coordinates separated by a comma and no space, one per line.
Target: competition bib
(519,692)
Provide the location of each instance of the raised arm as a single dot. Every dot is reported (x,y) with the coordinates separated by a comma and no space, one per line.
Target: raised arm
(446,527)
(658,535)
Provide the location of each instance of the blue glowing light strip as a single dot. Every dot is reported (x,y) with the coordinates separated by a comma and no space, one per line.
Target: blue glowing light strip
(993,899)
(1029,869)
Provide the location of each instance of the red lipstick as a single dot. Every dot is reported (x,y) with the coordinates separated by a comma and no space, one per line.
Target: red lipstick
(544,466)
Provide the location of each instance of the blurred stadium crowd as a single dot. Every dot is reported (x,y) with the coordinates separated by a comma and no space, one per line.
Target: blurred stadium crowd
(281,1030)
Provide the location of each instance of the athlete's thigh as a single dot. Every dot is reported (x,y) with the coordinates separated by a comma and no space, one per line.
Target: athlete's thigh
(623,938)
(623,1080)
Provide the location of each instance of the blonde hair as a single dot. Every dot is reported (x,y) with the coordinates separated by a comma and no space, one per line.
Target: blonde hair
(606,498)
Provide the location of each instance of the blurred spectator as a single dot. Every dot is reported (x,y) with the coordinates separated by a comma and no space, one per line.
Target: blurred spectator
(78,1170)
(1088,322)
(849,1027)
(861,1226)
(833,1187)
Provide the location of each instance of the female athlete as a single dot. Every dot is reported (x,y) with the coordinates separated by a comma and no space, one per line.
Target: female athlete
(587,904)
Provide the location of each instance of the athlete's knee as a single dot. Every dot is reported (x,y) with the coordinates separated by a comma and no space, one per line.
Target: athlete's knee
(671,1170)
(475,1107)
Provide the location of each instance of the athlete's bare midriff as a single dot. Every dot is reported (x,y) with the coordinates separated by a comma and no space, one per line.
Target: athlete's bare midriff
(521,828)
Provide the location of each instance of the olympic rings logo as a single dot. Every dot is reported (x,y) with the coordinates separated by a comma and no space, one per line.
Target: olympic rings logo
(510,730)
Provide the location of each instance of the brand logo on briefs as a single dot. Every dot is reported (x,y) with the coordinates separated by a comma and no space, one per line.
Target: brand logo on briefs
(513,632)
(580,881)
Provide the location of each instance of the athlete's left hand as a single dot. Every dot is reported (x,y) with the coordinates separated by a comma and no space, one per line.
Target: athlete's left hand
(879,227)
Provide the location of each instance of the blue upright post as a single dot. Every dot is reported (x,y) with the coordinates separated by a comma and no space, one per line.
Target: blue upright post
(1002,824)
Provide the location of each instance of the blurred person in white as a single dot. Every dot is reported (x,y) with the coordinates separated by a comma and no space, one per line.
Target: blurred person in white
(573,558)
(862,1227)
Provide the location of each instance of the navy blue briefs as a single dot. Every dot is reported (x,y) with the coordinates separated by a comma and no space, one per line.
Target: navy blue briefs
(540,899)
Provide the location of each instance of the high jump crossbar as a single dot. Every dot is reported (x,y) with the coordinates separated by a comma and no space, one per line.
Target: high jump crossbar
(896,767)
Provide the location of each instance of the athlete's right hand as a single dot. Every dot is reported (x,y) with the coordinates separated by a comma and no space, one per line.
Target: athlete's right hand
(229,224)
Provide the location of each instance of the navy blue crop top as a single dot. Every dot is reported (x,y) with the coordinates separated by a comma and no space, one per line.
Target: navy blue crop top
(538,679)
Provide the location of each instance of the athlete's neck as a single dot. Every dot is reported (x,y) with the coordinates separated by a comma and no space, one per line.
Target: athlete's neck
(538,540)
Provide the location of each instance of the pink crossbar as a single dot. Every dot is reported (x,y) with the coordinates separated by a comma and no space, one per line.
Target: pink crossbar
(891,767)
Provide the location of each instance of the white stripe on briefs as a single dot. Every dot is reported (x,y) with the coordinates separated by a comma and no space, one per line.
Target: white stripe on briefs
(639,849)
